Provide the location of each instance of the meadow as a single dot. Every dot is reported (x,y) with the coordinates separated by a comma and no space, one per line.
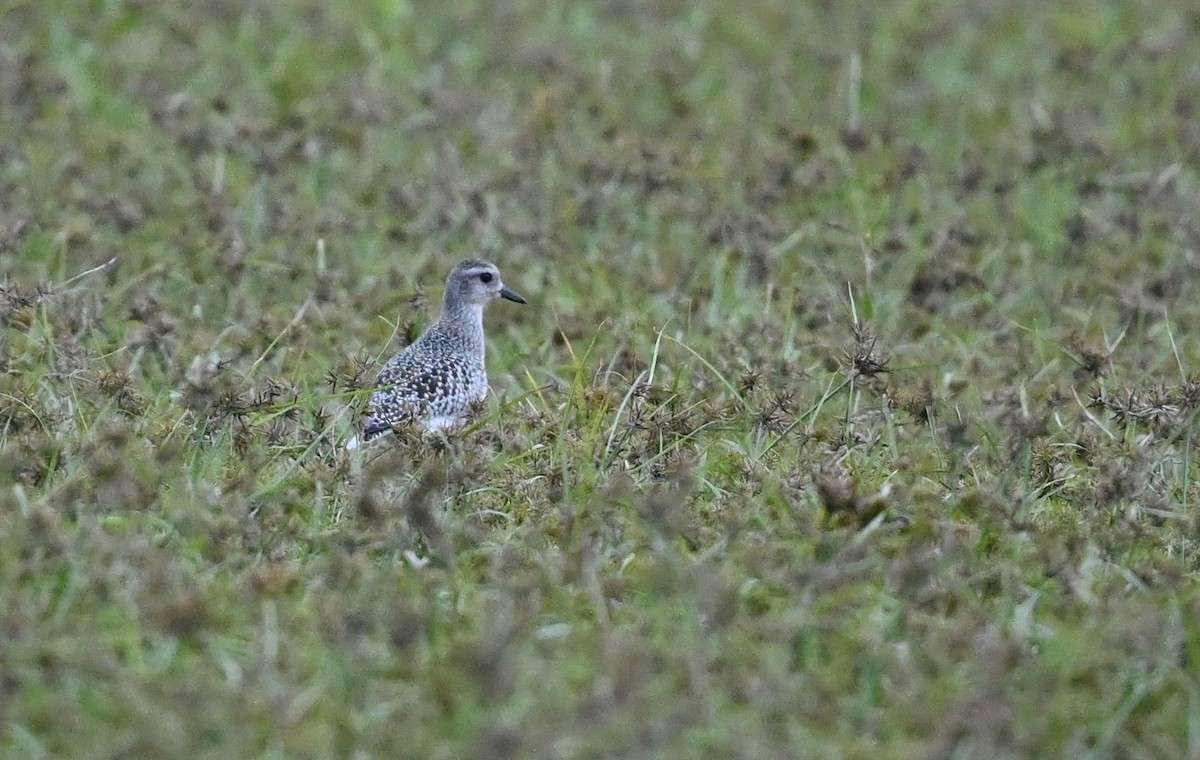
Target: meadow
(852,414)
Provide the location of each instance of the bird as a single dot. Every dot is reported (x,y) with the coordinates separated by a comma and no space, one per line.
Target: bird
(434,383)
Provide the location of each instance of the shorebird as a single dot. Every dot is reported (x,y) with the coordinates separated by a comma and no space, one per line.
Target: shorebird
(434,383)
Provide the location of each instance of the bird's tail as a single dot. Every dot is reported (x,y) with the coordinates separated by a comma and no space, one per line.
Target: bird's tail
(373,429)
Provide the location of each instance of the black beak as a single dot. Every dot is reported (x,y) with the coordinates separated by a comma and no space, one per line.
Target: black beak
(511,295)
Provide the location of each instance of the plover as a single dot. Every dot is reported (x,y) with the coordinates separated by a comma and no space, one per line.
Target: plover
(434,382)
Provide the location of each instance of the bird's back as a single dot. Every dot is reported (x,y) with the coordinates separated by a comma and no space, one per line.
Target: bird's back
(431,382)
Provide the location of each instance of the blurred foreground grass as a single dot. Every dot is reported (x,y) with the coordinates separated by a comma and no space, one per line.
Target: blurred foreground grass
(852,415)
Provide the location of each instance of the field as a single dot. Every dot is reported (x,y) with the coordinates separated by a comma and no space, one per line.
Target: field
(853,413)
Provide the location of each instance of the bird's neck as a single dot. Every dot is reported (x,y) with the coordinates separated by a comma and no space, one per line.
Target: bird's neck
(464,322)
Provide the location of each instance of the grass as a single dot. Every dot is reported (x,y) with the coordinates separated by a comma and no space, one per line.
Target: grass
(853,414)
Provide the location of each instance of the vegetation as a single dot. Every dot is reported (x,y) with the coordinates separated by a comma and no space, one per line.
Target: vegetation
(852,416)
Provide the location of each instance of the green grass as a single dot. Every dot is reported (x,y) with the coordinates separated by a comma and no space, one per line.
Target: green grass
(852,416)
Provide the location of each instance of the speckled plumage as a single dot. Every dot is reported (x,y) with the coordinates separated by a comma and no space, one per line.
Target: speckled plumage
(435,381)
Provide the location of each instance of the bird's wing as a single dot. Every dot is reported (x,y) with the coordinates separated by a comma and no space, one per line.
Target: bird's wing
(415,385)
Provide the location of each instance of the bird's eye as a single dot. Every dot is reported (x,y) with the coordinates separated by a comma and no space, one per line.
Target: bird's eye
(485,277)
